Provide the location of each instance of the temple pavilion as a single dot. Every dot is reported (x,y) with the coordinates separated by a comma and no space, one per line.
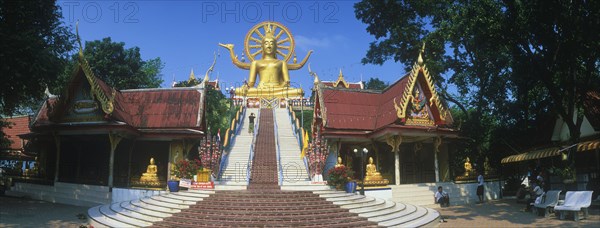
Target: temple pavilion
(97,135)
(406,128)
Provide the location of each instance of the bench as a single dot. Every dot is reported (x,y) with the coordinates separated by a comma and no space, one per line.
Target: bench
(549,202)
(575,202)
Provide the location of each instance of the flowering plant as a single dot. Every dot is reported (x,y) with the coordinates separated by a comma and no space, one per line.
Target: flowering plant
(187,169)
(317,154)
(339,176)
(209,153)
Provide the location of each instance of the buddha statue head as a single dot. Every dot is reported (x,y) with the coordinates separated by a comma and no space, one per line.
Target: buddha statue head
(269,43)
(370,160)
(151,161)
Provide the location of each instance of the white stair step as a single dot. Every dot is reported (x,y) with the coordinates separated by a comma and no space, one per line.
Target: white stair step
(409,209)
(142,210)
(100,220)
(420,212)
(431,216)
(154,207)
(377,206)
(116,207)
(392,210)
(106,211)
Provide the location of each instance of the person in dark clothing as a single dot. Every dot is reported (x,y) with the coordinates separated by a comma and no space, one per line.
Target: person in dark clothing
(251,123)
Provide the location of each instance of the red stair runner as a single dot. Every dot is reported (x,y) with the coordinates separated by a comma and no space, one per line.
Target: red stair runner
(264,204)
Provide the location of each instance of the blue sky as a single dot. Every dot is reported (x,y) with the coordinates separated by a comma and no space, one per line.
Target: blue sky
(185,34)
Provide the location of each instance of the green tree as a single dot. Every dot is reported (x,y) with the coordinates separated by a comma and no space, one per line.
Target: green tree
(376,84)
(512,61)
(218,112)
(120,67)
(34,49)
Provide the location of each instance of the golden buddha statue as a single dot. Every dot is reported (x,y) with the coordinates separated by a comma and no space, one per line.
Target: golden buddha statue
(468,167)
(274,78)
(339,163)
(372,174)
(150,174)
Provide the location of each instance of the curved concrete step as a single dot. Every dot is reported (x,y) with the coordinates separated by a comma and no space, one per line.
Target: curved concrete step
(419,212)
(116,207)
(106,211)
(142,210)
(97,219)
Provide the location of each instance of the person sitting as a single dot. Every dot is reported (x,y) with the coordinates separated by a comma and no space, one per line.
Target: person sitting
(536,193)
(441,197)
(521,193)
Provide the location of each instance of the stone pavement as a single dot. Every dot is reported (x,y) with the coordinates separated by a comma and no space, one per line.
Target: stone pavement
(20,212)
(508,213)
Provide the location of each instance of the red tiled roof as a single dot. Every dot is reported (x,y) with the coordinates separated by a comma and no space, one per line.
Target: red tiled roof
(361,109)
(18,126)
(163,108)
(143,108)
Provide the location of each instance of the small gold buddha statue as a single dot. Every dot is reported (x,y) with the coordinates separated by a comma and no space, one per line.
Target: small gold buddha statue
(372,177)
(372,174)
(339,163)
(150,174)
(274,78)
(468,167)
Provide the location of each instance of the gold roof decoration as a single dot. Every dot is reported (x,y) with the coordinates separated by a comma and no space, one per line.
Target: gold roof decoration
(341,80)
(192,76)
(406,97)
(96,90)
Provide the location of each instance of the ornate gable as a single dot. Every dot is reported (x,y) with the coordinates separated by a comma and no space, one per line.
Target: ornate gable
(419,103)
(341,81)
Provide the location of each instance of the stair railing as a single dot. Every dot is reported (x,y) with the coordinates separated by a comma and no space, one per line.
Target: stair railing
(251,155)
(279,166)
(299,133)
(229,136)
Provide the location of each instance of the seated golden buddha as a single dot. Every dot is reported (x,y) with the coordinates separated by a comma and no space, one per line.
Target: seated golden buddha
(373,177)
(468,167)
(150,174)
(274,78)
(339,163)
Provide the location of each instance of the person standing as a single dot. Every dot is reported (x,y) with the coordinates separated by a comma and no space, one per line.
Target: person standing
(251,123)
(480,186)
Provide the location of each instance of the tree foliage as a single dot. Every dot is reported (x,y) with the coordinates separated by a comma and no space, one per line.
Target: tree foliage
(217,109)
(34,49)
(511,61)
(376,84)
(119,67)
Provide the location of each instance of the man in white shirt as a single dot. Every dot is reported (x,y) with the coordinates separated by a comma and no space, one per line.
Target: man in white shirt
(441,197)
(480,186)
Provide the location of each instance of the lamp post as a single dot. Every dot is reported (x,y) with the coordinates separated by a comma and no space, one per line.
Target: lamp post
(362,165)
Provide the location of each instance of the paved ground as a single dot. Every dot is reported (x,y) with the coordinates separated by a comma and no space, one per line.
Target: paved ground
(19,212)
(508,213)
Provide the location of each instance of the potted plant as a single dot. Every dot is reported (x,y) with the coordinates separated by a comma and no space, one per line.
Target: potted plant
(339,176)
(186,169)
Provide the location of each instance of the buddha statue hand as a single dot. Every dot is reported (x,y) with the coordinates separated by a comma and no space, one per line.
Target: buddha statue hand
(228,46)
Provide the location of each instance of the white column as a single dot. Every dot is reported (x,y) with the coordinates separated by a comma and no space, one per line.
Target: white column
(437,167)
(437,141)
(397,165)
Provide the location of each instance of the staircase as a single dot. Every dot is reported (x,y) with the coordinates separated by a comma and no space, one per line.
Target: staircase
(293,167)
(264,165)
(145,211)
(264,203)
(235,170)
